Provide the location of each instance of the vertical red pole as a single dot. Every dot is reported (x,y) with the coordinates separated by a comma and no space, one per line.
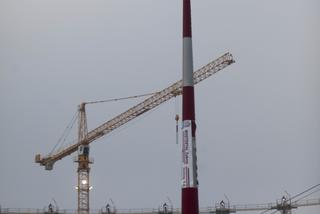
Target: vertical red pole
(189,197)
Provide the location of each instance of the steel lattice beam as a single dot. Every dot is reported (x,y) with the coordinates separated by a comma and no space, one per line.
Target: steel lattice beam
(148,104)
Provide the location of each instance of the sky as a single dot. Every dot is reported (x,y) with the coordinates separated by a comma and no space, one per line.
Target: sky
(258,120)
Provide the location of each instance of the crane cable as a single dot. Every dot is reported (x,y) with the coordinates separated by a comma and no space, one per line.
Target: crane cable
(144,95)
(122,98)
(67,130)
(65,134)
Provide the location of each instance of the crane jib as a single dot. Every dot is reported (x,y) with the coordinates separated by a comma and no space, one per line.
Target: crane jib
(139,109)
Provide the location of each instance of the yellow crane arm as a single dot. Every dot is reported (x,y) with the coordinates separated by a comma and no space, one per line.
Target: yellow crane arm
(148,104)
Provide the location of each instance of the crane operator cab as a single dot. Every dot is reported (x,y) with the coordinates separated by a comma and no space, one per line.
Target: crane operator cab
(83,150)
(83,157)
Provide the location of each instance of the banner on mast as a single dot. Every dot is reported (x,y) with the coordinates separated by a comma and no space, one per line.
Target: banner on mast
(187,155)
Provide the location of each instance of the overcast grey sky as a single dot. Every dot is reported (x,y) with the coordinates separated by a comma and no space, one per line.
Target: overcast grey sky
(258,120)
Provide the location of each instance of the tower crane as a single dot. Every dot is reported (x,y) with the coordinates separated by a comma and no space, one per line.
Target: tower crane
(85,138)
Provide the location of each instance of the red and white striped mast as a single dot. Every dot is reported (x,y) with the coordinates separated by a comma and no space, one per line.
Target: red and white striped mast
(189,197)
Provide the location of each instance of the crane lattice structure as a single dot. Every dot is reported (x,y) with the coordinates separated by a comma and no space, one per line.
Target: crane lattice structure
(85,137)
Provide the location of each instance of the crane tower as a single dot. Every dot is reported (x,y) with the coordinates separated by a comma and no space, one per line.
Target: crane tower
(83,163)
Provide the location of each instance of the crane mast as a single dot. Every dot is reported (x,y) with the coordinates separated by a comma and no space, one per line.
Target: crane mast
(85,137)
(83,161)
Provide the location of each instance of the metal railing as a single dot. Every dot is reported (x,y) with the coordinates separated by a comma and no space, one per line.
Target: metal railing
(203,210)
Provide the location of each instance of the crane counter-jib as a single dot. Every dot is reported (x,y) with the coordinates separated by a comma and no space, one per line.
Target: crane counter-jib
(146,105)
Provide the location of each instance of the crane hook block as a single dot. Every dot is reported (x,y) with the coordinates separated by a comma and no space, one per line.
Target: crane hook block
(48,166)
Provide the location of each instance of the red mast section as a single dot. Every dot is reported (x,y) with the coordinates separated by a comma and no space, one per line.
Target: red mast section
(189,198)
